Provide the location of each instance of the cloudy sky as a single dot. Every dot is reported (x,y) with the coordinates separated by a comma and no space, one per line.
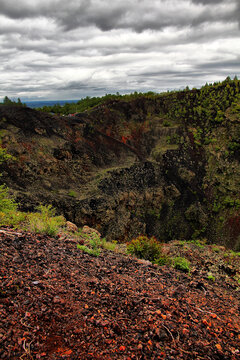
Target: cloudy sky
(58,49)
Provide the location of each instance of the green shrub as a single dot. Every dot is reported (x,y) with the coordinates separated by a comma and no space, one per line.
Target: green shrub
(94,244)
(90,251)
(8,209)
(162,260)
(166,123)
(45,221)
(95,241)
(72,193)
(7,203)
(216,249)
(108,245)
(145,248)
(234,253)
(234,146)
(4,156)
(199,242)
(12,218)
(211,277)
(182,264)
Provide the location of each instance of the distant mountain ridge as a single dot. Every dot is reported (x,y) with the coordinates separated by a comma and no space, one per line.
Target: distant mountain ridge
(40,103)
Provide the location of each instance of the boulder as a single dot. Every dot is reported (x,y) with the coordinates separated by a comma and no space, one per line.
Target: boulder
(87,230)
(71,226)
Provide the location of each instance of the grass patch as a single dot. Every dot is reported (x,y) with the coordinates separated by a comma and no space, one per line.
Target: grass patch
(211,277)
(109,245)
(200,243)
(9,215)
(216,249)
(166,123)
(234,253)
(72,193)
(7,203)
(45,221)
(12,218)
(182,264)
(162,260)
(95,244)
(89,251)
(182,242)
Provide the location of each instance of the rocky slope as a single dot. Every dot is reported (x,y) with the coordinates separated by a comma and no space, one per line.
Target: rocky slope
(165,165)
(60,303)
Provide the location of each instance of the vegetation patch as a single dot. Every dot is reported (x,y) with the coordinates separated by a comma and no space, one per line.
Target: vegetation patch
(88,250)
(72,193)
(211,277)
(94,244)
(145,248)
(45,221)
(9,215)
(182,264)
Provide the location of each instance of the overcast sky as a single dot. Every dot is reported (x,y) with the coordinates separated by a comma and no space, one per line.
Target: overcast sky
(58,49)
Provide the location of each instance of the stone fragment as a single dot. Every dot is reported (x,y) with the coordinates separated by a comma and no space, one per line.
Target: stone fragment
(71,226)
(144,262)
(87,230)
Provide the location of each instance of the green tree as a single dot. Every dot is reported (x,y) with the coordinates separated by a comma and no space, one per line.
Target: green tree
(7,203)
(7,101)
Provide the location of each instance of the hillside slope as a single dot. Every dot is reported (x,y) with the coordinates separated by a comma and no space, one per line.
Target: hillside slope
(58,302)
(165,165)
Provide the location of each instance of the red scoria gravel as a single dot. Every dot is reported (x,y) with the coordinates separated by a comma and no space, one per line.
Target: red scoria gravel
(57,302)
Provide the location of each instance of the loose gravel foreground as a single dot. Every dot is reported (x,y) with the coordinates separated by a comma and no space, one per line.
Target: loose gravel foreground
(57,302)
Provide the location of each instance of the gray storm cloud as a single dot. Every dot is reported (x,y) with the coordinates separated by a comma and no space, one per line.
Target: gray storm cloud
(106,15)
(52,48)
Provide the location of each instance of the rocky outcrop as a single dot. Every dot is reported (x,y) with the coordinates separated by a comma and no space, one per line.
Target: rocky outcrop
(71,226)
(90,231)
(128,167)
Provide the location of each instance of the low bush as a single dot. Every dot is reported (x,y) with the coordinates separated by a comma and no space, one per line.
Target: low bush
(216,248)
(109,245)
(9,215)
(45,221)
(145,248)
(12,218)
(181,263)
(94,243)
(166,123)
(72,193)
(211,277)
(163,260)
(7,203)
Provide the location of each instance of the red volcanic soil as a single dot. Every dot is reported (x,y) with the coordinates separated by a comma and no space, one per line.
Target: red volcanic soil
(57,302)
